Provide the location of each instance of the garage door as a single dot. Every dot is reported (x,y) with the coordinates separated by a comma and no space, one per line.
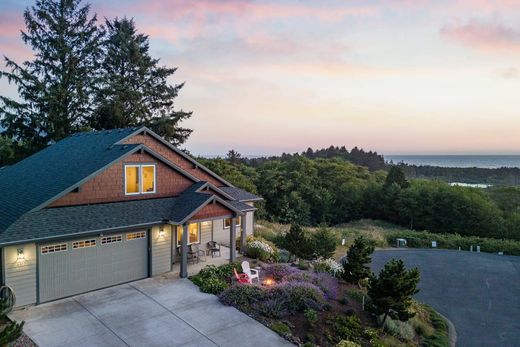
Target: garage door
(78,266)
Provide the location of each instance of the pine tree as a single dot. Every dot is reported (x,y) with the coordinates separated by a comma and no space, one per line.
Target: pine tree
(298,243)
(135,89)
(396,175)
(391,293)
(356,264)
(55,87)
(324,242)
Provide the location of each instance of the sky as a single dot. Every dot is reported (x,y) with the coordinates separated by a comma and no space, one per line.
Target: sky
(266,77)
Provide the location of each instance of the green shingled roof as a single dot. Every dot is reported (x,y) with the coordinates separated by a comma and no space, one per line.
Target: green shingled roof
(44,175)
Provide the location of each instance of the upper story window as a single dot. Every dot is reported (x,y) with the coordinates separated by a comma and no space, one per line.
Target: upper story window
(139,179)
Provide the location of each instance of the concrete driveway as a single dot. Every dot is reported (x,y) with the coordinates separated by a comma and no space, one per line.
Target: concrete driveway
(161,311)
(478,292)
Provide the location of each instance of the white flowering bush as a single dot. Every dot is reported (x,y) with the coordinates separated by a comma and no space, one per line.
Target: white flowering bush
(328,265)
(262,249)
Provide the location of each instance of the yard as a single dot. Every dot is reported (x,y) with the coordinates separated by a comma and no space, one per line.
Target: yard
(312,308)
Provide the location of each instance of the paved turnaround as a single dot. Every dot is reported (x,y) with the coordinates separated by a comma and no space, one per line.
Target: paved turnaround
(160,311)
(478,292)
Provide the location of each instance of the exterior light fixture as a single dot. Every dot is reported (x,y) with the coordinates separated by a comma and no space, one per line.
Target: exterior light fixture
(19,254)
(161,232)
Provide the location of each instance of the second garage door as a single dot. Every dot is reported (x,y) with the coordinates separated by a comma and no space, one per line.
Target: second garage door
(72,267)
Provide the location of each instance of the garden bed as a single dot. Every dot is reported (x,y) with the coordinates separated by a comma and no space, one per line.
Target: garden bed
(316,309)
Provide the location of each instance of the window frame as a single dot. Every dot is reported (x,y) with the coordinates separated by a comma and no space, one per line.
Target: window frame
(54,249)
(239,221)
(189,243)
(118,238)
(143,232)
(91,243)
(140,178)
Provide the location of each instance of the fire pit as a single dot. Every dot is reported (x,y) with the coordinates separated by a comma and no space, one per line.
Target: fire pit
(268,282)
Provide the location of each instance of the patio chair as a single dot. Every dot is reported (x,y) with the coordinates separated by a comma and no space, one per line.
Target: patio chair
(213,248)
(198,253)
(251,273)
(241,278)
(192,258)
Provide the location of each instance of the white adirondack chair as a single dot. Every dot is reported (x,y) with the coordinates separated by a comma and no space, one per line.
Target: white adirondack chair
(252,273)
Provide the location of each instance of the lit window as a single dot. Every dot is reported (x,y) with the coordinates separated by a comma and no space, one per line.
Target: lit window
(84,244)
(148,174)
(54,248)
(111,239)
(227,222)
(193,233)
(132,179)
(136,235)
(139,179)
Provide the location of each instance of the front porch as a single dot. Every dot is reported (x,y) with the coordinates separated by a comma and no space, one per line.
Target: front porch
(194,268)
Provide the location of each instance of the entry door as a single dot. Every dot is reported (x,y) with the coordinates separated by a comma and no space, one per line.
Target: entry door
(72,267)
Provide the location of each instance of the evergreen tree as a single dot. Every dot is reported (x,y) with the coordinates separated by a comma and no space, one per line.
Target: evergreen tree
(135,89)
(234,157)
(391,293)
(356,264)
(298,243)
(396,175)
(55,87)
(324,242)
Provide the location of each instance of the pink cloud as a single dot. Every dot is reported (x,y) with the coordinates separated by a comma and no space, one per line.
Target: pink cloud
(491,36)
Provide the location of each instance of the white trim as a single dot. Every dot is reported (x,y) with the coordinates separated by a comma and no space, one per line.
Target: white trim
(113,239)
(136,235)
(154,178)
(54,246)
(140,178)
(91,243)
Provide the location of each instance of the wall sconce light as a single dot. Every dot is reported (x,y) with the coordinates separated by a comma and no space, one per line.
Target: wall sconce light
(19,254)
(161,232)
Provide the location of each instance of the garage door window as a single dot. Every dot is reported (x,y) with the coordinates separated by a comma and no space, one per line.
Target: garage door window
(111,239)
(61,247)
(193,233)
(135,236)
(84,244)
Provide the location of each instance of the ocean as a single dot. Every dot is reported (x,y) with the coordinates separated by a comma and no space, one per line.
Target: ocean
(484,161)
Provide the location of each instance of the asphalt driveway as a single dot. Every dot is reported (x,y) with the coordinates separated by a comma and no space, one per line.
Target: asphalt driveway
(161,311)
(478,292)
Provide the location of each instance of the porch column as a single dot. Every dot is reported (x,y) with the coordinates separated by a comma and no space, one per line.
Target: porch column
(184,251)
(243,234)
(233,240)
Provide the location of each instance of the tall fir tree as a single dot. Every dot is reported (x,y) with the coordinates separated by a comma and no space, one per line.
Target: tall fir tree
(391,293)
(135,88)
(356,264)
(56,87)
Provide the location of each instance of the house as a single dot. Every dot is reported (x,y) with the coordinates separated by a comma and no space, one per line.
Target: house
(102,208)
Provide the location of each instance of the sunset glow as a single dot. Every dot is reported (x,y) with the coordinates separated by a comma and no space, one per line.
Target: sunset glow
(392,76)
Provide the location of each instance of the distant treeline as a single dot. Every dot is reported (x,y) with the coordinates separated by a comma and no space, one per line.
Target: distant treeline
(312,188)
(475,175)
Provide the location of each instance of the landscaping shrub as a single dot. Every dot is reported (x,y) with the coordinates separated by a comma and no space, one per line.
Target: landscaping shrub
(356,264)
(328,265)
(347,328)
(280,328)
(285,256)
(299,295)
(328,284)
(325,242)
(275,307)
(279,271)
(213,280)
(396,328)
(259,248)
(243,296)
(346,343)
(311,315)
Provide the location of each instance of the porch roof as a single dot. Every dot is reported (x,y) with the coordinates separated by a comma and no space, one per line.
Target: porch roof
(61,222)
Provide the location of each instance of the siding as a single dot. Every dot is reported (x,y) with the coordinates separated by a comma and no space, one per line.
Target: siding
(108,186)
(211,211)
(161,250)
(21,275)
